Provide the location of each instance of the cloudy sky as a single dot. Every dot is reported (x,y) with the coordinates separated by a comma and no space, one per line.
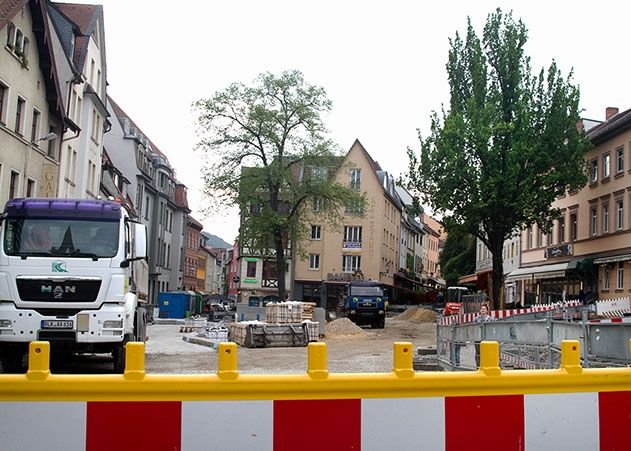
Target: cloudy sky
(381,63)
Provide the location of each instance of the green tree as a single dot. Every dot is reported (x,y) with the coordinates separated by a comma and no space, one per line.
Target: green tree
(457,258)
(507,146)
(267,152)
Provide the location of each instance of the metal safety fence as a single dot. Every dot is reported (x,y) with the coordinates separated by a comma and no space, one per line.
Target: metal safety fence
(533,344)
(400,409)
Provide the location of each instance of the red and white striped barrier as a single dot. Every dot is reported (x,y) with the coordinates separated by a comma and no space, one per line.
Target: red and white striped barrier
(499,314)
(626,319)
(610,308)
(570,421)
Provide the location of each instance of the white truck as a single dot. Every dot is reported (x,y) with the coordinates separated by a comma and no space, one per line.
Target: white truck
(66,277)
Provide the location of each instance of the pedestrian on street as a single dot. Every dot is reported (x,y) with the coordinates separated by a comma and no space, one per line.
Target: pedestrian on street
(483,317)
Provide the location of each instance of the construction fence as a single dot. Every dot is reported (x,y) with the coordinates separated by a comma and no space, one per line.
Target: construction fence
(568,408)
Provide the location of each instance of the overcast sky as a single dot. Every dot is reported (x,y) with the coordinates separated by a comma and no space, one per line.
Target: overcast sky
(381,63)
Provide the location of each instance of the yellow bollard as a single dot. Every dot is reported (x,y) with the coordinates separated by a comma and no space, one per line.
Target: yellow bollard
(317,366)
(571,356)
(403,359)
(38,360)
(134,361)
(490,358)
(227,364)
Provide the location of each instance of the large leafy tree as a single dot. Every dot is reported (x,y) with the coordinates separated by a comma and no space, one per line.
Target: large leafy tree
(457,258)
(267,152)
(507,146)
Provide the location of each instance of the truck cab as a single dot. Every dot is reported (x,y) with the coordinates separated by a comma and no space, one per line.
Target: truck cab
(365,303)
(65,278)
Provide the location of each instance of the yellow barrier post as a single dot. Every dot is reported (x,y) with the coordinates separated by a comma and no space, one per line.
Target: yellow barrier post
(571,356)
(227,361)
(38,360)
(403,359)
(490,358)
(134,361)
(317,366)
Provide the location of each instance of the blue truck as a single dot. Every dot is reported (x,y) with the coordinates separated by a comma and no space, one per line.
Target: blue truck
(366,303)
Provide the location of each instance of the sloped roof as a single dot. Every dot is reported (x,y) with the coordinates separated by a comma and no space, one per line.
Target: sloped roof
(8,10)
(195,223)
(86,18)
(121,115)
(611,127)
(180,196)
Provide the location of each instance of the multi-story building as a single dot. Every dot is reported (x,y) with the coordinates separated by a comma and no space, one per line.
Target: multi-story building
(483,276)
(194,258)
(32,114)
(233,277)
(433,241)
(363,247)
(159,199)
(588,248)
(81,44)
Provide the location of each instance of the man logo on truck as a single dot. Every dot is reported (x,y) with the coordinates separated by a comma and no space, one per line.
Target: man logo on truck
(58,291)
(59,266)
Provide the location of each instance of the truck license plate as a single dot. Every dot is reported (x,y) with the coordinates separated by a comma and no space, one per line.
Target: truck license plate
(56,324)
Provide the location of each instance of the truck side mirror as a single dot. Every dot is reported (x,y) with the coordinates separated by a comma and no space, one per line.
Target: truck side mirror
(136,247)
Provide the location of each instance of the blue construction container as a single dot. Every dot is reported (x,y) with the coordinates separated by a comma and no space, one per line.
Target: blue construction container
(175,304)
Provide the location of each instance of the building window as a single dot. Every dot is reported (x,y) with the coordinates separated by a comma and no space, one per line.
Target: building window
(4,96)
(561,230)
(593,221)
(269,270)
(353,234)
(351,263)
(250,270)
(355,179)
(355,207)
(314,261)
(606,277)
(14,182)
(19,116)
(594,171)
(605,218)
(96,127)
(619,214)
(529,238)
(619,159)
(574,226)
(606,166)
(316,232)
(52,143)
(317,204)
(620,276)
(30,188)
(35,127)
(319,173)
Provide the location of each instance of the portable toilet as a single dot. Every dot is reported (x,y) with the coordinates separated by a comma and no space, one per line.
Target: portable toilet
(175,304)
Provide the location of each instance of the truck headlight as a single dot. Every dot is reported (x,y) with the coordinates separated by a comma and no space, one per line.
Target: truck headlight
(352,312)
(113,324)
(4,323)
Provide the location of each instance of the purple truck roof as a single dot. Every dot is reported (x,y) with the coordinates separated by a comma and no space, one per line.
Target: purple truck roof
(64,208)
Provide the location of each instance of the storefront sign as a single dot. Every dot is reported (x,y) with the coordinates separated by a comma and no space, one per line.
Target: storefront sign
(249,280)
(562,250)
(345,276)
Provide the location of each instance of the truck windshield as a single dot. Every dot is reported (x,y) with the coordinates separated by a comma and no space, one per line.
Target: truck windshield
(366,291)
(60,237)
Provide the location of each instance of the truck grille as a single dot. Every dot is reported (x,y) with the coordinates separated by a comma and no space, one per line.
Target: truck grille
(42,290)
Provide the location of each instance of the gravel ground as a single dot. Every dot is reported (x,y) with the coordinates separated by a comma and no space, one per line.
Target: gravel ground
(369,352)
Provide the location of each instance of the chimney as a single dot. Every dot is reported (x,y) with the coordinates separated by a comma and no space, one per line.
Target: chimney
(610,112)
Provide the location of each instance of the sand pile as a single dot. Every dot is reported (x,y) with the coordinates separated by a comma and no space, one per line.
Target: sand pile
(343,326)
(418,315)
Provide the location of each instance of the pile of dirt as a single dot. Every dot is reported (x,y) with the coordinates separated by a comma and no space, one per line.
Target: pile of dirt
(418,315)
(343,326)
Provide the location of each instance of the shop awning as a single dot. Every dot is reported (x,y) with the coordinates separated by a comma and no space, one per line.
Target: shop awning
(469,278)
(612,259)
(538,272)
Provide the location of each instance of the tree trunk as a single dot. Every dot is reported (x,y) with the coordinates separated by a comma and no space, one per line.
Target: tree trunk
(497,244)
(279,246)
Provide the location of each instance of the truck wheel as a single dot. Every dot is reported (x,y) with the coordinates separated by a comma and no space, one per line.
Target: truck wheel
(118,355)
(381,322)
(12,361)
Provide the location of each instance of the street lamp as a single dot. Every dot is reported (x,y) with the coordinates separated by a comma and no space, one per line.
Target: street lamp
(48,137)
